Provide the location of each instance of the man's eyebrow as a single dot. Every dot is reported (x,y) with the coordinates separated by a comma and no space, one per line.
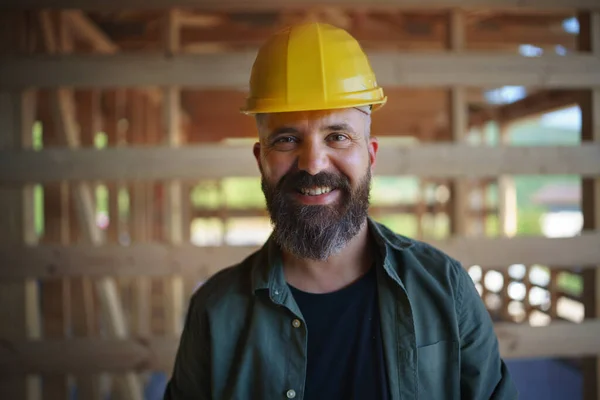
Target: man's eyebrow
(339,127)
(282,131)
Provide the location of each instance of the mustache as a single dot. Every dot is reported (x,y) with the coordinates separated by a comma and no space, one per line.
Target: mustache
(295,180)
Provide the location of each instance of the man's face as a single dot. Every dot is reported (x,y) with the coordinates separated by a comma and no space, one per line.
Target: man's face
(316,171)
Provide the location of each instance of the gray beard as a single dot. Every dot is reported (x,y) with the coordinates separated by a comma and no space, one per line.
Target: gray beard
(313,231)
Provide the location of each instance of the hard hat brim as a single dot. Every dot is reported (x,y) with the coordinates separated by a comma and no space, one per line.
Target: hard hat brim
(262,107)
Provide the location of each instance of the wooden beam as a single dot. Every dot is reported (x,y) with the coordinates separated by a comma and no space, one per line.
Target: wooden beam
(274,5)
(83,28)
(531,106)
(215,161)
(376,210)
(524,341)
(153,259)
(144,354)
(232,70)
(372,33)
(537,103)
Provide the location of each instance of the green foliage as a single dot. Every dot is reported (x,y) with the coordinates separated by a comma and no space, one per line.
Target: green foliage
(388,190)
(404,224)
(100,140)
(244,193)
(570,283)
(102,199)
(528,221)
(123,202)
(38,209)
(37,141)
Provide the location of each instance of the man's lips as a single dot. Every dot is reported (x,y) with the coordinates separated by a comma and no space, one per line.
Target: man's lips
(317,199)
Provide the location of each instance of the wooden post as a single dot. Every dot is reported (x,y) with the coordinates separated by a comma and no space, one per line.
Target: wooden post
(507,217)
(19,300)
(589,40)
(83,300)
(19,303)
(173,221)
(57,230)
(115,128)
(458,127)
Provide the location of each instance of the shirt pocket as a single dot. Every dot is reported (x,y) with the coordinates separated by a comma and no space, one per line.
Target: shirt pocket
(439,371)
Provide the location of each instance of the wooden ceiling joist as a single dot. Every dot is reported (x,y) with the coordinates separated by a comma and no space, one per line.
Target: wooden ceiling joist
(531,106)
(374,31)
(255,5)
(232,71)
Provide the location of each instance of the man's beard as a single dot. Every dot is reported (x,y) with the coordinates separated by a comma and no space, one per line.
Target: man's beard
(316,231)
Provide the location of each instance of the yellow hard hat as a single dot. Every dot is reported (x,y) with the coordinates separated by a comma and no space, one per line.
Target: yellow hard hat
(311,66)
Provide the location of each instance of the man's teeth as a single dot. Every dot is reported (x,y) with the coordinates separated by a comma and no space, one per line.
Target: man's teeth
(315,191)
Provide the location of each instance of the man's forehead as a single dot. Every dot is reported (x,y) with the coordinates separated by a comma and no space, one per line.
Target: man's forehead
(315,119)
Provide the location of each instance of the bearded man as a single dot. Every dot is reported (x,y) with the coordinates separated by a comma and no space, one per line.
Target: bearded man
(334,305)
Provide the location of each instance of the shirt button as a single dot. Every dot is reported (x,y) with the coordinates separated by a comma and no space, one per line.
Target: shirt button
(291,394)
(296,324)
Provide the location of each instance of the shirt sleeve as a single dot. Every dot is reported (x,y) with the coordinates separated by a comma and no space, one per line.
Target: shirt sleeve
(484,374)
(191,372)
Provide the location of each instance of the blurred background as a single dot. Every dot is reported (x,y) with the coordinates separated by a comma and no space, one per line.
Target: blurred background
(127,178)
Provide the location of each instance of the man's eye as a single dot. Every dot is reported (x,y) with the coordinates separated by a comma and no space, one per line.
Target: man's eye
(338,137)
(285,139)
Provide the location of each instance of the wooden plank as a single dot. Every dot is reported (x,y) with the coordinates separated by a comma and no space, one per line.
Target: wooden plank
(381,210)
(301,5)
(214,161)
(143,354)
(524,341)
(153,259)
(232,70)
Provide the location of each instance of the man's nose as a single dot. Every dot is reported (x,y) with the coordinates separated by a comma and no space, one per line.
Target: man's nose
(313,157)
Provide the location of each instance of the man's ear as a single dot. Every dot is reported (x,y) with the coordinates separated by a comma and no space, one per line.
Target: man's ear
(373,148)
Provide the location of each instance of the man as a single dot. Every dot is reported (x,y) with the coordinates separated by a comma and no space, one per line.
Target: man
(334,305)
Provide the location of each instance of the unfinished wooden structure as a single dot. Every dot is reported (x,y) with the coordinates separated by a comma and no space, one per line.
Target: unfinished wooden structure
(96,306)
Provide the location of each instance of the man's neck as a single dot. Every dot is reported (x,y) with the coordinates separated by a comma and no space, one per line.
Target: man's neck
(334,273)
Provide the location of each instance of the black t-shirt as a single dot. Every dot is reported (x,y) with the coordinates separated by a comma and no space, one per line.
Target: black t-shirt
(345,352)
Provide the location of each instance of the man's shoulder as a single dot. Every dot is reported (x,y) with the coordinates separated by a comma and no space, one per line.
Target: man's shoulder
(420,254)
(427,251)
(228,283)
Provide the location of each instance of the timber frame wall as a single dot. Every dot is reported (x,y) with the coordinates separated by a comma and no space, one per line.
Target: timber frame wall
(77,305)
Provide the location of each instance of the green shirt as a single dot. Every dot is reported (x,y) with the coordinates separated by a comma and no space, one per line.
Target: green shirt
(245,338)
